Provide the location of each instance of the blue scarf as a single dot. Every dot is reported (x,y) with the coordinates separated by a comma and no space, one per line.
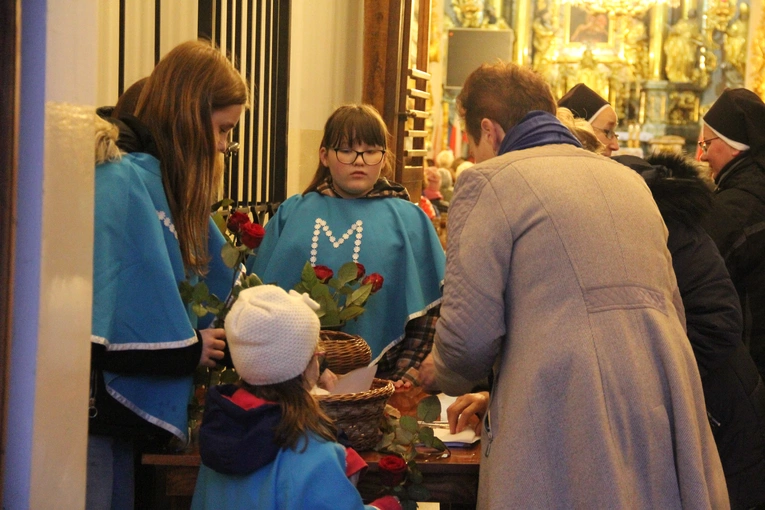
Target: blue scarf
(537,128)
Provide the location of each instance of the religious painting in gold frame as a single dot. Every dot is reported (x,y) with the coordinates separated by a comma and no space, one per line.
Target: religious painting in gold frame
(587,28)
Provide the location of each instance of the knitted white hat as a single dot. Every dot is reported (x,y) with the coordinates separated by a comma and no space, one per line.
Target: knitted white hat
(271,334)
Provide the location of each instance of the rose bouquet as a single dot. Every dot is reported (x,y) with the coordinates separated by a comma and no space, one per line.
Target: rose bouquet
(341,297)
(402,435)
(242,239)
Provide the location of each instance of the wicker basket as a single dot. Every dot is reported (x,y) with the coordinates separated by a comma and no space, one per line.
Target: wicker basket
(359,414)
(344,352)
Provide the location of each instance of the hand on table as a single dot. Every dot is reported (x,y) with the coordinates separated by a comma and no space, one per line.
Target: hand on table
(468,409)
(213,344)
(427,376)
(402,385)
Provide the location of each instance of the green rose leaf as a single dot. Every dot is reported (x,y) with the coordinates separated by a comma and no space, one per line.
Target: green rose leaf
(438,444)
(230,255)
(350,312)
(201,292)
(408,423)
(346,290)
(347,273)
(308,276)
(220,222)
(426,436)
(385,442)
(320,293)
(199,310)
(360,295)
(397,448)
(404,436)
(186,290)
(251,280)
(429,409)
(334,283)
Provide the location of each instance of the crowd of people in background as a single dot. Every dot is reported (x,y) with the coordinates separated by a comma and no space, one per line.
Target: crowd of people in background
(614,307)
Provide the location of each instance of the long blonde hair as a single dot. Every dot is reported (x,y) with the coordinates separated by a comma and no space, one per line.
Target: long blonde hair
(581,129)
(347,126)
(176,104)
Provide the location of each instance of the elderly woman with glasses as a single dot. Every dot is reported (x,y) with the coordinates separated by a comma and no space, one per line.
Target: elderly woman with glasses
(734,146)
(586,104)
(350,212)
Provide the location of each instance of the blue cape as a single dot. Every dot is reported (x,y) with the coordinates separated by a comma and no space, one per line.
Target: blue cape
(397,240)
(137,267)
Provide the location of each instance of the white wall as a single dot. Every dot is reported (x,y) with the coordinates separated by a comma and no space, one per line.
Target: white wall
(48,382)
(326,71)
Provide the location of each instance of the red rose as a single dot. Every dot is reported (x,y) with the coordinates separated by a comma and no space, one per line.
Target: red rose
(360,270)
(252,235)
(323,273)
(236,221)
(392,470)
(375,279)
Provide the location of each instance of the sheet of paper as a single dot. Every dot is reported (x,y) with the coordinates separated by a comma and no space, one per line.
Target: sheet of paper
(355,381)
(464,438)
(446,401)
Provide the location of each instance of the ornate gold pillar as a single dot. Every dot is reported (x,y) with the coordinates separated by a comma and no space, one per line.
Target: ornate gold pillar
(755,61)
(521,27)
(655,87)
(656,44)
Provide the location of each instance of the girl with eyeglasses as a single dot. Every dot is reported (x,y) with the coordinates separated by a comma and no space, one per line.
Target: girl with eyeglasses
(351,212)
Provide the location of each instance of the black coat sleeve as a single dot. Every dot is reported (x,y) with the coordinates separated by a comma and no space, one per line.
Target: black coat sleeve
(712,310)
(171,362)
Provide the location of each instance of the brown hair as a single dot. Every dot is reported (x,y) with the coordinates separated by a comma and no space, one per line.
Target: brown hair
(581,129)
(301,413)
(176,104)
(347,126)
(129,99)
(504,92)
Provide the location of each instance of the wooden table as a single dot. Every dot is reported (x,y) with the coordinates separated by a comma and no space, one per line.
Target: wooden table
(452,481)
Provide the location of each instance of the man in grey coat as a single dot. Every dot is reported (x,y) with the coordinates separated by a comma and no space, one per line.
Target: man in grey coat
(560,285)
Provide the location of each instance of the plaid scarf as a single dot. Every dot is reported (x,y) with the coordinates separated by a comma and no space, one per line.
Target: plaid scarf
(383,188)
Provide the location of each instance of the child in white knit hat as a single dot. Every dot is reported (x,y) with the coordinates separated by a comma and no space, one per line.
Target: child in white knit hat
(265,443)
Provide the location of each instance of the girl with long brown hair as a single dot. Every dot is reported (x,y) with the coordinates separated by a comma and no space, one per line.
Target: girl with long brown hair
(152,231)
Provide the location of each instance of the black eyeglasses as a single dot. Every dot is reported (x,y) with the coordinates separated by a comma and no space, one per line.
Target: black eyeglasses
(349,156)
(610,133)
(704,144)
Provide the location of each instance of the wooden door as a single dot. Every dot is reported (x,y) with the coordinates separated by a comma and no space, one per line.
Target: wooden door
(9,49)
(395,87)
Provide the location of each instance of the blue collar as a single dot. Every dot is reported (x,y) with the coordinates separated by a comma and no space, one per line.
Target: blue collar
(537,128)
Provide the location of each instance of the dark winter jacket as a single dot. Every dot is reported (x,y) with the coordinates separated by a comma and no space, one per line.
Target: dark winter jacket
(733,390)
(233,440)
(737,225)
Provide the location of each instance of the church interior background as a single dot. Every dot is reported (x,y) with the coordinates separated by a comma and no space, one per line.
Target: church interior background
(661,64)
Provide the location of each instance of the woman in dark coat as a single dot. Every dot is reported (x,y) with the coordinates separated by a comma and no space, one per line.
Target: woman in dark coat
(733,390)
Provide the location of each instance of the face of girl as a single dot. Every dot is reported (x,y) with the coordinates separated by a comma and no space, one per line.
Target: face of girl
(223,121)
(352,175)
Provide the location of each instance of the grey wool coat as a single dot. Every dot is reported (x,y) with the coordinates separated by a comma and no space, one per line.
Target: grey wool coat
(558,277)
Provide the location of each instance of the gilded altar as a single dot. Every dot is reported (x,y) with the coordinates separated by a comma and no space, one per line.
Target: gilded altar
(661,63)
